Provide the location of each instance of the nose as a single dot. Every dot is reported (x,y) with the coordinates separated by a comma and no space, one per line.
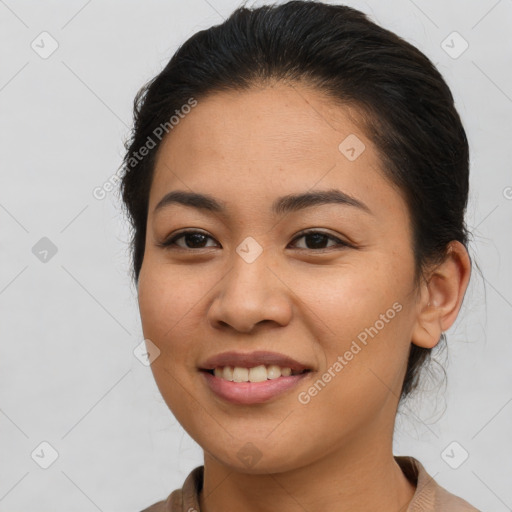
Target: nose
(250,294)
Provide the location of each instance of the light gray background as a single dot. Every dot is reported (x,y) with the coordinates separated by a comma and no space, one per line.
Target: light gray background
(69,325)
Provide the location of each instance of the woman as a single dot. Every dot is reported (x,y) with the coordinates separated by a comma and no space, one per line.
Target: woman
(297,179)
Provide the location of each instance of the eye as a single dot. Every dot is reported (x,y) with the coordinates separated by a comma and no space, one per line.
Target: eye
(193,240)
(316,240)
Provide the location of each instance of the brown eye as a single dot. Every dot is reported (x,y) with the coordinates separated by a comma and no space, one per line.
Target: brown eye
(192,240)
(318,240)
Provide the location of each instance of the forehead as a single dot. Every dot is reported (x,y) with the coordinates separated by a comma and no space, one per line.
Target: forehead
(290,122)
(269,141)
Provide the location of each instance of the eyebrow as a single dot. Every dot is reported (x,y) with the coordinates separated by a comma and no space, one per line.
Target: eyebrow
(288,203)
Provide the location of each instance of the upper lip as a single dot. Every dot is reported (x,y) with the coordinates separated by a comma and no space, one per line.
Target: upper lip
(251,359)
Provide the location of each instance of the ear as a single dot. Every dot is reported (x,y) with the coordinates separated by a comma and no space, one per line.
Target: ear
(441,296)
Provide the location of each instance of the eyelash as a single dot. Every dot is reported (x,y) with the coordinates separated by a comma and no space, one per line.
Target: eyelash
(170,243)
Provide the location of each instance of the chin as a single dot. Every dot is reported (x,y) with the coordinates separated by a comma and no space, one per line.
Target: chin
(256,458)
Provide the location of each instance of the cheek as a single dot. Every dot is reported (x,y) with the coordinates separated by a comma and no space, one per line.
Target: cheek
(166,295)
(166,302)
(359,315)
(348,299)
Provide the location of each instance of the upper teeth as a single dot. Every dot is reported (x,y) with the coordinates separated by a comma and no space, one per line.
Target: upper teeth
(256,374)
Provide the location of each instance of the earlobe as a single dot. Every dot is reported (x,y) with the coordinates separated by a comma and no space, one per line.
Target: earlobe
(441,296)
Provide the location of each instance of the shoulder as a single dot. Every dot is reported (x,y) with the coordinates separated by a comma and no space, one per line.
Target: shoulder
(156,507)
(186,498)
(168,505)
(429,495)
(174,503)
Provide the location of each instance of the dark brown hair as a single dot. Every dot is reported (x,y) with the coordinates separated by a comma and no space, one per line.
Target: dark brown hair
(407,107)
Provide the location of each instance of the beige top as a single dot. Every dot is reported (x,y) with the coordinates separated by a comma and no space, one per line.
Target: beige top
(429,496)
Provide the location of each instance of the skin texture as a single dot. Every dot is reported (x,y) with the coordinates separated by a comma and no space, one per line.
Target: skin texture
(247,149)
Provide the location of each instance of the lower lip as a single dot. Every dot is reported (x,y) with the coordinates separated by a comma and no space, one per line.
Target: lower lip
(251,392)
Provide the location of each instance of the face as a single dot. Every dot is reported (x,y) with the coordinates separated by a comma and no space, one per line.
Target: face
(327,282)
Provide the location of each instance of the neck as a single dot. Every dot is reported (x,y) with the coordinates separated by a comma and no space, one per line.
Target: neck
(360,476)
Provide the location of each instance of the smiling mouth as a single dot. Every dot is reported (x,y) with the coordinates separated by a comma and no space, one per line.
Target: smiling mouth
(256,385)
